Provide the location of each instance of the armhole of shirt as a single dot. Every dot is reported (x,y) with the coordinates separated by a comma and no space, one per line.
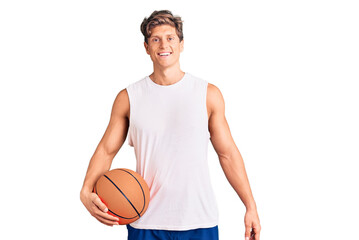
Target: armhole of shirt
(129,133)
(205,104)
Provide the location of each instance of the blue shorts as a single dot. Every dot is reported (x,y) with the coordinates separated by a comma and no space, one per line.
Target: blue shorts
(193,234)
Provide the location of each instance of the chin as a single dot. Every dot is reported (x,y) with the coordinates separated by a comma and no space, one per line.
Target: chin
(168,64)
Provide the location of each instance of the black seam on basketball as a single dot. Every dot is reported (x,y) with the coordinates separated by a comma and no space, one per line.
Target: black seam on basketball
(124,195)
(144,197)
(120,216)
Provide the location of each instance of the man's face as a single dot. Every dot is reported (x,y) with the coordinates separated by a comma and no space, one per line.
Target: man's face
(164,46)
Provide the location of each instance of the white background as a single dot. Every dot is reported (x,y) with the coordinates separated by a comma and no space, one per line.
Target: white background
(288,71)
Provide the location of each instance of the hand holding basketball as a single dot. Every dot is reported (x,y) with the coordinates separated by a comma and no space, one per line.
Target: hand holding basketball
(125,193)
(97,208)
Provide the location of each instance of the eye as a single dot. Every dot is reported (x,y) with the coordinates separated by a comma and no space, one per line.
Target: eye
(155,40)
(171,38)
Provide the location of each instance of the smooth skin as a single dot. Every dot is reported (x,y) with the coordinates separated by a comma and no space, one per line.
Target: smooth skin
(166,72)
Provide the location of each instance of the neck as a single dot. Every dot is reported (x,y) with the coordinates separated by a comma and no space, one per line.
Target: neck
(167,76)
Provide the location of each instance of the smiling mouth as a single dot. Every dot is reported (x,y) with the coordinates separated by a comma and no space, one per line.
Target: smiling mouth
(164,54)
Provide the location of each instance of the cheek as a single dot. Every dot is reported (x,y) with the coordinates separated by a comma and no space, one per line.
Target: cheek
(177,48)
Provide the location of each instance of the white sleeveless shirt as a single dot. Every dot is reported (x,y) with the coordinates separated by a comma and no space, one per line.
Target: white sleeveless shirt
(169,132)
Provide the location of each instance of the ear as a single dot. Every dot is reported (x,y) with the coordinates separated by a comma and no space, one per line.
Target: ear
(146,47)
(182,45)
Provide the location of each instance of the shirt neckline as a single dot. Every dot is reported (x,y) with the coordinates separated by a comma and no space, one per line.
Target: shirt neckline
(167,86)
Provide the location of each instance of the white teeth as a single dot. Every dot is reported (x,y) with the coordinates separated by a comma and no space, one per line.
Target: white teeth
(164,54)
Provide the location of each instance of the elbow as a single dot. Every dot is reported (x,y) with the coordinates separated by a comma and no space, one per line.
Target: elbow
(229,156)
(224,157)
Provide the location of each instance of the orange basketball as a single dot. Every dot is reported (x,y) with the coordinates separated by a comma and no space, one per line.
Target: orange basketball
(125,193)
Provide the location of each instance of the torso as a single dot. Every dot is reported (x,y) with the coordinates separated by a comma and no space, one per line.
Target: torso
(208,103)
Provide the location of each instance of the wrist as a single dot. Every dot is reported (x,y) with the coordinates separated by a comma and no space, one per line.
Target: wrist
(251,207)
(85,191)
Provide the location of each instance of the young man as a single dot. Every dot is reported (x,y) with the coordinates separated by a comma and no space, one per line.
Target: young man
(170,116)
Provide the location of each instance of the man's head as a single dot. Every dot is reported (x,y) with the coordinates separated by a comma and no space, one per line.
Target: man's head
(163,38)
(163,17)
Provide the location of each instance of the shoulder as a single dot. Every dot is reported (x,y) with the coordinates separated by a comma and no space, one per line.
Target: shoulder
(215,100)
(122,100)
(122,96)
(213,90)
(121,105)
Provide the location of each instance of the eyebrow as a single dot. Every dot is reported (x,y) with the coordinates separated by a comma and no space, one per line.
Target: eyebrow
(172,34)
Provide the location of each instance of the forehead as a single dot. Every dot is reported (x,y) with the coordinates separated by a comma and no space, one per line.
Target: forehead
(163,30)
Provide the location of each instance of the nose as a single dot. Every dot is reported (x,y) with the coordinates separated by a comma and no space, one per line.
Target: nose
(164,43)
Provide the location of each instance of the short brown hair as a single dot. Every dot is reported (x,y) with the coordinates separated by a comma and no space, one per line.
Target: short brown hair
(160,18)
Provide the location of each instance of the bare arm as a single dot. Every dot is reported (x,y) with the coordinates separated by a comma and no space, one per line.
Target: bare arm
(110,144)
(230,158)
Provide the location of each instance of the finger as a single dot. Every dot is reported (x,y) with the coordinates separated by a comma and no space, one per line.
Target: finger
(104,215)
(256,231)
(97,201)
(257,236)
(248,232)
(106,221)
